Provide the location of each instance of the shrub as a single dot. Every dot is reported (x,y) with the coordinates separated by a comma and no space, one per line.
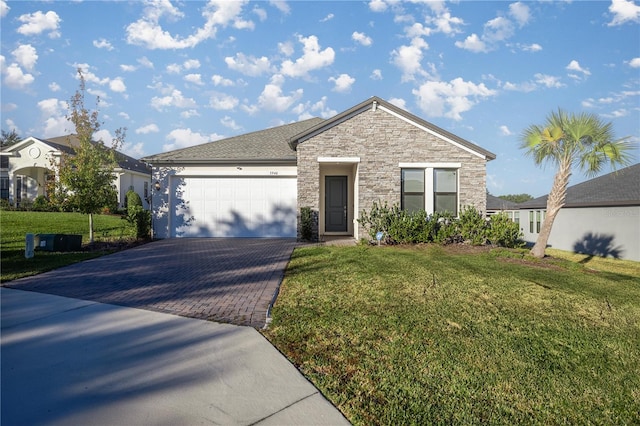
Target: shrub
(5,204)
(306,223)
(472,226)
(137,215)
(41,204)
(503,232)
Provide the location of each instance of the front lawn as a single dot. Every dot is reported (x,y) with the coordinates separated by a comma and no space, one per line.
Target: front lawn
(14,225)
(433,335)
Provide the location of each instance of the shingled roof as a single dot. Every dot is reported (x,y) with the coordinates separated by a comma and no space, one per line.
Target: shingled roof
(619,188)
(261,146)
(69,142)
(497,203)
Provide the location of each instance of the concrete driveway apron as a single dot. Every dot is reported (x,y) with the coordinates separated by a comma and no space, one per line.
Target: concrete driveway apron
(225,280)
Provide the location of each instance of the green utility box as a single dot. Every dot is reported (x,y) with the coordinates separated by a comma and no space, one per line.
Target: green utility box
(58,242)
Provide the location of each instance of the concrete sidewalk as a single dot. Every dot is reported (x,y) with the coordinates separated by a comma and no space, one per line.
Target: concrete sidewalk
(70,361)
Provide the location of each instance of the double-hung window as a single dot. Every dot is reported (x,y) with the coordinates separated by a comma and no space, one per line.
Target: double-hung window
(445,190)
(412,190)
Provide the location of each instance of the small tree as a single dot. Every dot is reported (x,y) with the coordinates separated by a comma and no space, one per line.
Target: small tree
(567,141)
(86,177)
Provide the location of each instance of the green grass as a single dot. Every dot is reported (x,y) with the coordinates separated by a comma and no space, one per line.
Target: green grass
(14,225)
(424,335)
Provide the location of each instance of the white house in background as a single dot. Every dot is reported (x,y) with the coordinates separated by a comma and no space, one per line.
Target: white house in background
(26,166)
(601,217)
(256,184)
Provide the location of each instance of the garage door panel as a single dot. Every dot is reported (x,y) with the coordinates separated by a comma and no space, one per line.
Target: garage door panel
(234,207)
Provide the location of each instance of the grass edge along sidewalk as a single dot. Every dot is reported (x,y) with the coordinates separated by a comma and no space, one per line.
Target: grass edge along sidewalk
(446,335)
(14,225)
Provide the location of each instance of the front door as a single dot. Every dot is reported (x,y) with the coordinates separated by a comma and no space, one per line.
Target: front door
(335,205)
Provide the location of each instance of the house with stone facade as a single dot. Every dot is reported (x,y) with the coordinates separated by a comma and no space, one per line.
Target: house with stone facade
(256,184)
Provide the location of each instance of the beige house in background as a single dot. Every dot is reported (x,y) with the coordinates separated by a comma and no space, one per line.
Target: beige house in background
(26,166)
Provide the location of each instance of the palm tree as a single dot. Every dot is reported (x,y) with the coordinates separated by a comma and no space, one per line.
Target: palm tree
(567,141)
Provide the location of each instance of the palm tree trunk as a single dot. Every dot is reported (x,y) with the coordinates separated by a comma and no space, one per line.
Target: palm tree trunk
(555,201)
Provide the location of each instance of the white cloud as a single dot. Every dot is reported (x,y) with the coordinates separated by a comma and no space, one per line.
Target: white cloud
(145,62)
(183,138)
(26,56)
(272,97)
(102,44)
(361,38)
(38,22)
(575,66)
(229,122)
(260,13)
(624,11)
(450,99)
(634,63)
(498,29)
(504,130)
(174,69)
(535,47)
(221,101)
(189,113)
(11,126)
(286,48)
(342,83)
(117,85)
(328,17)
(54,87)
(376,75)
(135,150)
(148,32)
(309,110)
(548,81)
(128,68)
(175,99)
(13,76)
(520,12)
(124,115)
(149,128)
(219,80)
(313,58)
(194,79)
(399,102)
(473,44)
(249,65)
(281,5)
(191,64)
(377,5)
(444,22)
(4,9)
(409,58)
(53,114)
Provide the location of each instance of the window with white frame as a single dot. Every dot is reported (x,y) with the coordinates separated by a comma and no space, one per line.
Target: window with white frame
(445,190)
(412,190)
(4,187)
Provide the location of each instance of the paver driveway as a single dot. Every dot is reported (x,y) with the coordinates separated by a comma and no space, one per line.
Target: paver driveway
(225,280)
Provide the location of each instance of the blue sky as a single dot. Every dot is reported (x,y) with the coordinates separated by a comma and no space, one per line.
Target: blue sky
(177,74)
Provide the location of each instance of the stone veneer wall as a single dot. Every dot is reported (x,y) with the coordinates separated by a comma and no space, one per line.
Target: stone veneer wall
(382,141)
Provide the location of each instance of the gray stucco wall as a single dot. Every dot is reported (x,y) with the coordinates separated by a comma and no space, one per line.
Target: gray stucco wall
(382,141)
(602,231)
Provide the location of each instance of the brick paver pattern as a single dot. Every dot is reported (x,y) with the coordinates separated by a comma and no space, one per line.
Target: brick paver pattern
(225,280)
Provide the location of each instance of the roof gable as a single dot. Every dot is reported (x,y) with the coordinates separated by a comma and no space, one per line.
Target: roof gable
(619,188)
(374,103)
(260,146)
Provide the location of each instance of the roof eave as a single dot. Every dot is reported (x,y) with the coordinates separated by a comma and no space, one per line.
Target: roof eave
(233,161)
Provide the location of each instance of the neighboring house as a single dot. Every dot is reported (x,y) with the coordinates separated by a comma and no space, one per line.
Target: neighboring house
(254,185)
(600,217)
(28,165)
(499,205)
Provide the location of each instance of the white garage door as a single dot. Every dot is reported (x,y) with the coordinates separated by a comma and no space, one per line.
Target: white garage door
(233,207)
